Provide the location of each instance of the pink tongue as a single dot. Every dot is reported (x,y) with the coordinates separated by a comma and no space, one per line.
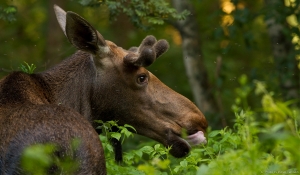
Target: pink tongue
(197,138)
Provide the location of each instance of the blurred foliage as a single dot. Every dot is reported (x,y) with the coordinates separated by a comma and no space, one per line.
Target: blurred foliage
(286,14)
(7,13)
(41,159)
(143,14)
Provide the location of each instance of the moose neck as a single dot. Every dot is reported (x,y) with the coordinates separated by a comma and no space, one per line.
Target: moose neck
(71,82)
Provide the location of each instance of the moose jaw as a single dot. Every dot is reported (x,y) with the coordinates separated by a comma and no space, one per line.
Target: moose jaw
(101,81)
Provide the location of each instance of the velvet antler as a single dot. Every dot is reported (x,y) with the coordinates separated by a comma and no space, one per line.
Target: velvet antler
(148,51)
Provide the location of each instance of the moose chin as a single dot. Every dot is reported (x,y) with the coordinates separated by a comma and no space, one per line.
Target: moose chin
(101,81)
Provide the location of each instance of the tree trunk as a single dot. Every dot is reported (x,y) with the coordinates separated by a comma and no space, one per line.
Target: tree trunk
(193,60)
(284,54)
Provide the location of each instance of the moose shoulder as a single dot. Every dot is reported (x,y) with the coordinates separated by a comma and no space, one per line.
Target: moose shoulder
(101,81)
(28,116)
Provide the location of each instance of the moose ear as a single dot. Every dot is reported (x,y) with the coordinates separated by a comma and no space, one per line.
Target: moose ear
(61,17)
(79,32)
(82,35)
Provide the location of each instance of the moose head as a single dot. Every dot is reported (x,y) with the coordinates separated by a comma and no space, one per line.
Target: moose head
(114,84)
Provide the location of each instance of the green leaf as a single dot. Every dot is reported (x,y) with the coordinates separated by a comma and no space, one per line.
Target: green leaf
(116,135)
(129,126)
(155,21)
(148,169)
(139,153)
(147,149)
(126,132)
(213,133)
(184,163)
(109,148)
(163,164)
(157,146)
(203,169)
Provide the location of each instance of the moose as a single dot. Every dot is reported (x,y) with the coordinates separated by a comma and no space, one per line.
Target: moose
(100,81)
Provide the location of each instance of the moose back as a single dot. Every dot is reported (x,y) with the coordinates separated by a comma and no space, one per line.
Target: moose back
(101,81)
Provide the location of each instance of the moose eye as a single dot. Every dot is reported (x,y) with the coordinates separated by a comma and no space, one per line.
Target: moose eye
(142,79)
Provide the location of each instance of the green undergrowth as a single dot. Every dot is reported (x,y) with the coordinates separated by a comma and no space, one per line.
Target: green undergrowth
(265,140)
